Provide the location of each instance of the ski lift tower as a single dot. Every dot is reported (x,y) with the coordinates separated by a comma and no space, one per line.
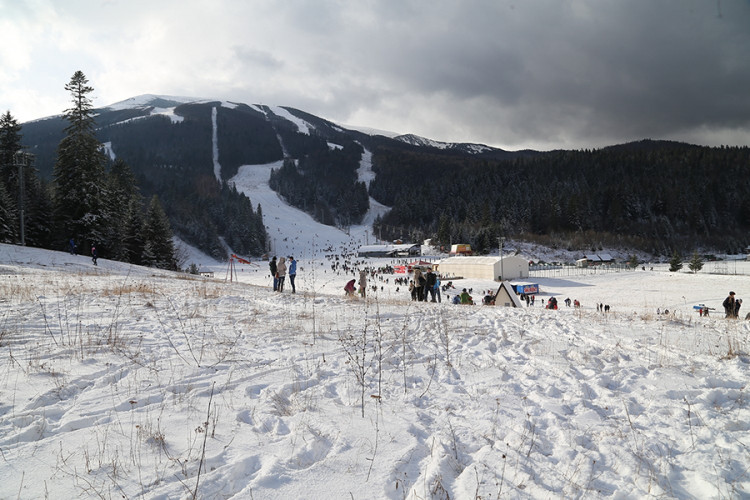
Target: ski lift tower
(22,159)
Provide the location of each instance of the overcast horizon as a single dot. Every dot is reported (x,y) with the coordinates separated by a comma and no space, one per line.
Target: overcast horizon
(535,74)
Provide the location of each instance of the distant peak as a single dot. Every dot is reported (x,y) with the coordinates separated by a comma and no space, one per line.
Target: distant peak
(159,101)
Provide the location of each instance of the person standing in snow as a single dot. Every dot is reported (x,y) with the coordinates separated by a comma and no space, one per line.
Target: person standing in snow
(292,272)
(729,305)
(430,285)
(94,254)
(272,267)
(363,283)
(418,283)
(281,271)
(437,289)
(72,246)
(737,305)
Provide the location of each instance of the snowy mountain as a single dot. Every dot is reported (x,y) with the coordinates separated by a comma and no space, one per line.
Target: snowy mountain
(337,174)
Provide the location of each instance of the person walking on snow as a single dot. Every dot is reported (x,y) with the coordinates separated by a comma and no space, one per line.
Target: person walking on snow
(94,254)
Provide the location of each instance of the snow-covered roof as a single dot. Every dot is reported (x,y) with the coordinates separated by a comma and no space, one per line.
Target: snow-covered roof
(385,248)
(471,259)
(598,257)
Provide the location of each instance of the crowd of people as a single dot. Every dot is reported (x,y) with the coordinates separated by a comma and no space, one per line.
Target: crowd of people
(279,271)
(425,285)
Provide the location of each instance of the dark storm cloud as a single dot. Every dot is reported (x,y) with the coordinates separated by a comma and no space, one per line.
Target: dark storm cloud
(590,72)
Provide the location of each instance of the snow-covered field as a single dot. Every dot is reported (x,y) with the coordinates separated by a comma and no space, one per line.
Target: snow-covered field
(126,382)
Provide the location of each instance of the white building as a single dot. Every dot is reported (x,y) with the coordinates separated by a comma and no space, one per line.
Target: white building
(486,268)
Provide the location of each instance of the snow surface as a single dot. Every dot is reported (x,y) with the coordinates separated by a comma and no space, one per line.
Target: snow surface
(122,381)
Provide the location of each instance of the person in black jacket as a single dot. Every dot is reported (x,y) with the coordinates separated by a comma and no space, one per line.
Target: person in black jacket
(729,305)
(430,280)
(272,267)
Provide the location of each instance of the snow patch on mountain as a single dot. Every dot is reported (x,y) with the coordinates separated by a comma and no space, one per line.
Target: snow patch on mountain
(215,144)
(107,147)
(302,125)
(416,140)
(147,100)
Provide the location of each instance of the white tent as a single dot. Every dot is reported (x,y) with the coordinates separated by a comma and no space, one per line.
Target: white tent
(487,268)
(507,297)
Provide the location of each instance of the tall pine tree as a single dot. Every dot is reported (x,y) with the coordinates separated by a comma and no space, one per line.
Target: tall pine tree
(10,144)
(79,172)
(158,248)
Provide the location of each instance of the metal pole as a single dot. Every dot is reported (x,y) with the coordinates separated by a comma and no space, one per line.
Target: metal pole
(502,271)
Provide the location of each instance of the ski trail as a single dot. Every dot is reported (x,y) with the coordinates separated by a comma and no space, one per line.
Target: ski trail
(366,175)
(215,141)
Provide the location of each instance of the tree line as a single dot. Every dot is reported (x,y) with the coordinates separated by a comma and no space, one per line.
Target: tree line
(653,196)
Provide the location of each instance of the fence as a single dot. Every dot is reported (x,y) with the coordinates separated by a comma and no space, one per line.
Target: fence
(736,267)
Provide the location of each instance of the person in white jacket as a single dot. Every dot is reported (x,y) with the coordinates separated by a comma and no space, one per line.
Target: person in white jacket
(281,271)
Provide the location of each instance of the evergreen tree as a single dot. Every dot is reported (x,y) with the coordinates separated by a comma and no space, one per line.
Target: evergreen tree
(36,197)
(10,144)
(8,218)
(39,212)
(122,190)
(696,263)
(158,249)
(132,245)
(633,261)
(675,263)
(79,171)
(444,231)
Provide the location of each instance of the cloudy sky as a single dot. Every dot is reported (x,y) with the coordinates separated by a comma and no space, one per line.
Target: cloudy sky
(515,74)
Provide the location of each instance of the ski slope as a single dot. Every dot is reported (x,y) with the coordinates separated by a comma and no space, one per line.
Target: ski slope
(294,232)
